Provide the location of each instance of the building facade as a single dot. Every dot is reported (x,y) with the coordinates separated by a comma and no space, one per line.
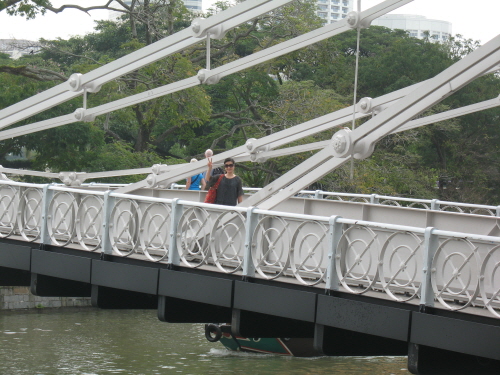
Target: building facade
(417,26)
(194,5)
(334,10)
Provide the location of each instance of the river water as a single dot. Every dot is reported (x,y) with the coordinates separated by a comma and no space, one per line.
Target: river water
(90,341)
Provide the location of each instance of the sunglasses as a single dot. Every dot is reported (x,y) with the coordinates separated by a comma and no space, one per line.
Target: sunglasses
(228,165)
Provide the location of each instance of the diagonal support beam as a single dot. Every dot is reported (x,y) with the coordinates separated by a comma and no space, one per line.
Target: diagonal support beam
(215,74)
(361,142)
(63,92)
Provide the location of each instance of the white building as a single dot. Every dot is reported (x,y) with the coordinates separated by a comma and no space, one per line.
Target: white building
(193,5)
(16,48)
(417,26)
(334,10)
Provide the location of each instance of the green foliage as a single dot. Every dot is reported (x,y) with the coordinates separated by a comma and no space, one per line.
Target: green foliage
(25,8)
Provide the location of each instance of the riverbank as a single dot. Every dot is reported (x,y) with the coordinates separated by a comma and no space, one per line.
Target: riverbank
(19,297)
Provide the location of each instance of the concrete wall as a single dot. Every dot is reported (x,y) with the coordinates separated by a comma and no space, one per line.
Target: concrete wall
(19,297)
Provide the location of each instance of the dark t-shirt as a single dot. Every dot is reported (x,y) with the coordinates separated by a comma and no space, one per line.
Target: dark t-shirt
(228,191)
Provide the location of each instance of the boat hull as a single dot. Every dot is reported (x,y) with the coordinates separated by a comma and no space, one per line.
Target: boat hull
(296,347)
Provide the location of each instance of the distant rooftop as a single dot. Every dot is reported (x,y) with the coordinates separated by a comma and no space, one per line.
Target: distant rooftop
(416,25)
(18,47)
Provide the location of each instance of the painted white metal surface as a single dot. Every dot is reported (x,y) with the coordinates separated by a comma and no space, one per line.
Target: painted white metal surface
(448,255)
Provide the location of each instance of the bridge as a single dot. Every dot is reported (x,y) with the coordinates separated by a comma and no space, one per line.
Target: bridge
(382,276)
(361,274)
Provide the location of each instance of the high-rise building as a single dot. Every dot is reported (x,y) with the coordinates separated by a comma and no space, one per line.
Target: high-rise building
(334,10)
(417,26)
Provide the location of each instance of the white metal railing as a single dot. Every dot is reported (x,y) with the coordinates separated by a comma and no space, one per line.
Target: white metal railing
(428,265)
(386,200)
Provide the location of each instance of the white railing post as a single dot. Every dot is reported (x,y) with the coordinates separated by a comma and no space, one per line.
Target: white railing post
(335,233)
(250,225)
(108,204)
(318,194)
(431,244)
(498,211)
(435,205)
(44,229)
(374,199)
(175,215)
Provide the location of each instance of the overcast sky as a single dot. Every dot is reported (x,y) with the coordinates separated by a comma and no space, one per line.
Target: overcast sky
(478,21)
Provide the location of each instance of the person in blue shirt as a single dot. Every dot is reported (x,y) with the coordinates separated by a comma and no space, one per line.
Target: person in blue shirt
(196,181)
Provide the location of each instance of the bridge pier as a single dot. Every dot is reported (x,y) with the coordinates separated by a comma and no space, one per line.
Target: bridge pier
(112,298)
(49,286)
(15,260)
(350,327)
(14,277)
(262,309)
(201,299)
(340,342)
(176,310)
(252,324)
(442,345)
(425,360)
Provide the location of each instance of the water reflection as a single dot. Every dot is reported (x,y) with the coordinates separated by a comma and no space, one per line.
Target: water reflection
(96,342)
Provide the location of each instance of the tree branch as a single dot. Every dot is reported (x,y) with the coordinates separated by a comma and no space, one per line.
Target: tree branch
(33,73)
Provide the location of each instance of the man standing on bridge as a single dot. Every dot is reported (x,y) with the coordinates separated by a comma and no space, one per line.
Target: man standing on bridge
(230,189)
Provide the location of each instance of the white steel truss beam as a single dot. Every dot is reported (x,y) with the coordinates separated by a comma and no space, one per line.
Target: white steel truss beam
(487,104)
(235,66)
(360,142)
(328,123)
(280,138)
(63,92)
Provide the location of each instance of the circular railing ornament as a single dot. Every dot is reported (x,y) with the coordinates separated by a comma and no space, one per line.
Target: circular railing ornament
(419,205)
(9,201)
(270,247)
(390,202)
(61,219)
(455,273)
(451,208)
(193,236)
(29,219)
(155,231)
(227,241)
(356,259)
(483,211)
(309,249)
(489,281)
(89,222)
(124,227)
(399,265)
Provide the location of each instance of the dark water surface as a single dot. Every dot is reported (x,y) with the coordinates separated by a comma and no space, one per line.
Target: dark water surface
(96,342)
